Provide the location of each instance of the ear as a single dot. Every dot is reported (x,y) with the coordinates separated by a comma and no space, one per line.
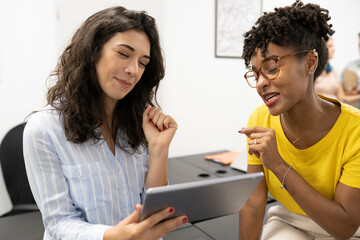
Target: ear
(311,62)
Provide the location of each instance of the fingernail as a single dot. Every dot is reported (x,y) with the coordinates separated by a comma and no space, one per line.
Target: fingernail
(150,120)
(185,220)
(171,210)
(240,131)
(159,130)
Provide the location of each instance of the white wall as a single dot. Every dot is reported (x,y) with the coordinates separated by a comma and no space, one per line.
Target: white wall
(208,96)
(71,14)
(27,55)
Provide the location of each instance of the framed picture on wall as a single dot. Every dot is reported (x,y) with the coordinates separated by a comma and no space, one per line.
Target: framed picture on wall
(232,19)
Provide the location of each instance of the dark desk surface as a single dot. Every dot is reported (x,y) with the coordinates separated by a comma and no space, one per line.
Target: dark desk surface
(27,226)
(196,168)
(180,169)
(225,228)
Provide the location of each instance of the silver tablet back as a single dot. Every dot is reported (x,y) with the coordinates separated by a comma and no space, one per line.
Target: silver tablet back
(202,200)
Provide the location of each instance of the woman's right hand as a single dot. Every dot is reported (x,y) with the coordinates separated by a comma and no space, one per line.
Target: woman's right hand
(263,144)
(150,228)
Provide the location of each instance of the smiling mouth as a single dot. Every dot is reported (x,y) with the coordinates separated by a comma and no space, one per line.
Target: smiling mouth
(271,96)
(123,83)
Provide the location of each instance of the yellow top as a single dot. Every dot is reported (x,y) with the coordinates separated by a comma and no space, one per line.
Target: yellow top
(334,158)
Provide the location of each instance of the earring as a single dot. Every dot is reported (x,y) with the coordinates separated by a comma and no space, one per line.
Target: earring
(315,52)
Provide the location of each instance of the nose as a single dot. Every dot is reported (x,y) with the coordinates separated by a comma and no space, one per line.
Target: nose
(262,82)
(132,68)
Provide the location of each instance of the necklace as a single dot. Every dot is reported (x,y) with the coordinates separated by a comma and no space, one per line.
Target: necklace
(306,131)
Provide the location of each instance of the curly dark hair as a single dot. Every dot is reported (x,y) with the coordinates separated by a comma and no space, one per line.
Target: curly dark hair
(77,93)
(300,27)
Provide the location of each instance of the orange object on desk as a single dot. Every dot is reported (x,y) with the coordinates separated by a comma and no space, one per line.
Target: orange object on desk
(225,158)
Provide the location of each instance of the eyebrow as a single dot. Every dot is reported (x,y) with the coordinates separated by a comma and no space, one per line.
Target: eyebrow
(131,49)
(269,57)
(265,59)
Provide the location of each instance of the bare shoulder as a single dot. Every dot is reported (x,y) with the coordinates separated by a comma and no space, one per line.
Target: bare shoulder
(332,111)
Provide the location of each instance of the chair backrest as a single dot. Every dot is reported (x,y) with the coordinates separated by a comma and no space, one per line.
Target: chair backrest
(13,167)
(5,202)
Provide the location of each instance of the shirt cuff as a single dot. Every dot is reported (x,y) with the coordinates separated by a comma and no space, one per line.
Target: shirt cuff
(97,232)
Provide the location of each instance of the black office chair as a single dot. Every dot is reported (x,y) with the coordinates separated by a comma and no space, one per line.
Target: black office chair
(13,168)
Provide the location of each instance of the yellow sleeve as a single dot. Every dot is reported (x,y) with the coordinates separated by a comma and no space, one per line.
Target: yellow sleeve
(350,175)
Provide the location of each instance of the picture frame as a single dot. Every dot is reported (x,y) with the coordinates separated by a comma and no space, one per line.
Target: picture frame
(232,19)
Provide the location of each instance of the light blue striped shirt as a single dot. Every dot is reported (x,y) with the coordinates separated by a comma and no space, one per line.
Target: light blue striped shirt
(81,189)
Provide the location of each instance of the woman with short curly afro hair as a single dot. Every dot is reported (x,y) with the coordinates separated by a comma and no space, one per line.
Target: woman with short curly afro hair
(305,144)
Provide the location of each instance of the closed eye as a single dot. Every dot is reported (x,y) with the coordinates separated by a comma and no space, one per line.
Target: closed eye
(142,64)
(123,54)
(272,71)
(144,61)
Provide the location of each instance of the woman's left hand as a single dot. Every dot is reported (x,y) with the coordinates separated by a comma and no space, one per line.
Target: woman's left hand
(263,144)
(159,128)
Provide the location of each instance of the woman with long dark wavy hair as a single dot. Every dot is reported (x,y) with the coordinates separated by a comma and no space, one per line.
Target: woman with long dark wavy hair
(100,142)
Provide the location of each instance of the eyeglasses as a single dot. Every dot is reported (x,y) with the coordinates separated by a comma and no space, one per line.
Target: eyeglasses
(269,69)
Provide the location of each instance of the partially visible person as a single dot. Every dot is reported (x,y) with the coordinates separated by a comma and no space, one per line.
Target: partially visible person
(100,143)
(351,77)
(329,84)
(305,144)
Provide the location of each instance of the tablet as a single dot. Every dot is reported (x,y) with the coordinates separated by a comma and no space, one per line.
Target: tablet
(202,200)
